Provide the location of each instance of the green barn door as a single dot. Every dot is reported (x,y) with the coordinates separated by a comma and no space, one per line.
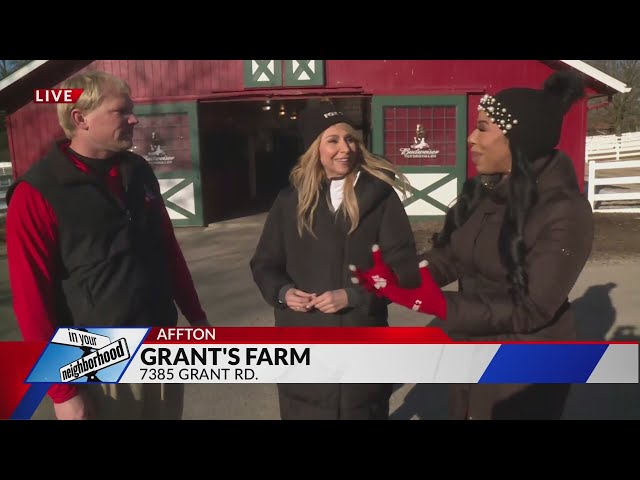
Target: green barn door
(167,137)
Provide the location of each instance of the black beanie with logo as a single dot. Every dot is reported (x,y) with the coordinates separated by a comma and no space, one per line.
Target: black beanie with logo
(316,118)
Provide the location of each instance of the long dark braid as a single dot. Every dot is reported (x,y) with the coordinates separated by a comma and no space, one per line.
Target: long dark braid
(523,194)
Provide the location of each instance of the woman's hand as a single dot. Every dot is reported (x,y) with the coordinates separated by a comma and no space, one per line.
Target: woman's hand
(298,300)
(427,298)
(331,302)
(377,277)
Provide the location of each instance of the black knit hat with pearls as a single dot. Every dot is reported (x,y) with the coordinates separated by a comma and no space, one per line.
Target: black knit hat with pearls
(532,119)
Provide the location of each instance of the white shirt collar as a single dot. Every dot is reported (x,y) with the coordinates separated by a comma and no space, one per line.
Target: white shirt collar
(336,188)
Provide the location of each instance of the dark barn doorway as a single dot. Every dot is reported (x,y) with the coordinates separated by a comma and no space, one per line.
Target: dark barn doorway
(248,148)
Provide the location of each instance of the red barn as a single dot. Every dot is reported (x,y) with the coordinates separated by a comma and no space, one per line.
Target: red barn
(221,134)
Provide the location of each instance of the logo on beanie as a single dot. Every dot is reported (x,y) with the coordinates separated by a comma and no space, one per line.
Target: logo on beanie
(331,114)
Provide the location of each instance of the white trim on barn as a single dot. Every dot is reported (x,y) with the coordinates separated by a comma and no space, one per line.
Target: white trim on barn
(598,75)
(21,72)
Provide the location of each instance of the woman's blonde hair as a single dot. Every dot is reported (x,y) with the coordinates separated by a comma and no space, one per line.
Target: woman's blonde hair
(95,85)
(308,174)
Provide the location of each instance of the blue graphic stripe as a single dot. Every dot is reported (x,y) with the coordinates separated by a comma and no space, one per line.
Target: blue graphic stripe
(30,401)
(543,363)
(132,355)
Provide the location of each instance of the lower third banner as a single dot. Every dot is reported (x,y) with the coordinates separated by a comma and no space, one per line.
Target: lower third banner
(293,355)
(320,355)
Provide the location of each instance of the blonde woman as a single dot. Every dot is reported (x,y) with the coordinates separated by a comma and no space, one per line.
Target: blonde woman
(341,200)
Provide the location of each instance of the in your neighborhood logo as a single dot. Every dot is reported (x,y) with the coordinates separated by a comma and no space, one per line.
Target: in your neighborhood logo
(98,352)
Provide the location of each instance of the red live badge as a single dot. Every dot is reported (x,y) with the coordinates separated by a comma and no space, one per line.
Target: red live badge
(57,95)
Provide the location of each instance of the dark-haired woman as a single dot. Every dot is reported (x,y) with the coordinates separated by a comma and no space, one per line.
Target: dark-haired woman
(516,241)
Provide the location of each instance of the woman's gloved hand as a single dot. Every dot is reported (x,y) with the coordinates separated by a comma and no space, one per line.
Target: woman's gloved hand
(380,279)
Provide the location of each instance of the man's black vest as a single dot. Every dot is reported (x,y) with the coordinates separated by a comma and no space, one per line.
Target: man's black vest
(113,260)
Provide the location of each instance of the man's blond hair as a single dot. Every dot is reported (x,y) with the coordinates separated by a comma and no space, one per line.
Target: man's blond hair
(96,85)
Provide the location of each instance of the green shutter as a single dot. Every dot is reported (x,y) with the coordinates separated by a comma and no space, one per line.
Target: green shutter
(180,184)
(304,72)
(262,73)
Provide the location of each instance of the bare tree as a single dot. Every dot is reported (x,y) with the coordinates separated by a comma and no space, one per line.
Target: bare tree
(7,67)
(623,112)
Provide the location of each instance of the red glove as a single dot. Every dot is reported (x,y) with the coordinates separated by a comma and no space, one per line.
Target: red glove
(377,276)
(427,298)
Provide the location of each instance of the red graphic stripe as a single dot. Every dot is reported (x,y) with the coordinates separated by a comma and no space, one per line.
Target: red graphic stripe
(293,335)
(17,359)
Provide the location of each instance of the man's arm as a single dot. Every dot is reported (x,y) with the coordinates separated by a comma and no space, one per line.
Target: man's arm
(185,293)
(32,246)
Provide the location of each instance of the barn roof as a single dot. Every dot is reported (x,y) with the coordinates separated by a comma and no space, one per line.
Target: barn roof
(599,76)
(16,90)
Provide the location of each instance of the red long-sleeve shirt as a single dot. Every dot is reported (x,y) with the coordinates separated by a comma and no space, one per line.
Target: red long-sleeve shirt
(32,249)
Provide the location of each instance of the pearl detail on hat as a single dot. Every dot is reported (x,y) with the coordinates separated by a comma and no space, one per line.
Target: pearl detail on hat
(491,107)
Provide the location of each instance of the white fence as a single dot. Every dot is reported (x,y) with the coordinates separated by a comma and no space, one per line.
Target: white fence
(5,181)
(609,158)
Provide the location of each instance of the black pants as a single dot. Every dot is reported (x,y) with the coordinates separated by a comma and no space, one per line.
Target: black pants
(508,401)
(334,401)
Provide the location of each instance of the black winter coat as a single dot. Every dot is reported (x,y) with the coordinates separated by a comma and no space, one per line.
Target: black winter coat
(558,235)
(320,264)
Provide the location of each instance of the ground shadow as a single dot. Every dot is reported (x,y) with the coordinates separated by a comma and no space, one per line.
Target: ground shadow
(595,319)
(425,401)
(247,211)
(594,312)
